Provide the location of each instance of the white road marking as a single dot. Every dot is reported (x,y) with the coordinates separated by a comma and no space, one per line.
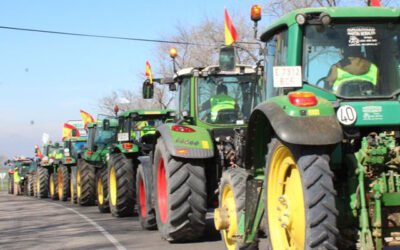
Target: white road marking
(111,238)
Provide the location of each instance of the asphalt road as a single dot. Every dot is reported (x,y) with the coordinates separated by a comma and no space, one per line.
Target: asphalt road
(31,223)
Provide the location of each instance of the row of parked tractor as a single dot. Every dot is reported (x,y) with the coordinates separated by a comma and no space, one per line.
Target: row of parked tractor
(301,149)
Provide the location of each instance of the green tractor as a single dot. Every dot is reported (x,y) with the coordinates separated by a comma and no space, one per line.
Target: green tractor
(91,172)
(64,161)
(26,169)
(137,129)
(322,156)
(46,172)
(182,173)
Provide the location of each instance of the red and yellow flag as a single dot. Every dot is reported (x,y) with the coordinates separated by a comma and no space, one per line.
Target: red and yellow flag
(148,72)
(38,152)
(67,131)
(86,118)
(376,3)
(230,32)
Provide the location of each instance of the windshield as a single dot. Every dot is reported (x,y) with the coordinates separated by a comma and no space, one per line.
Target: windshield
(227,99)
(76,147)
(104,137)
(144,127)
(353,60)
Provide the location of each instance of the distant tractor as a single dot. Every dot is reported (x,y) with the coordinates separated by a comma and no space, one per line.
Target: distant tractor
(26,168)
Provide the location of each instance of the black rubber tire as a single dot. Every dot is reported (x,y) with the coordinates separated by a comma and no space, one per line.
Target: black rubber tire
(72,186)
(63,183)
(144,181)
(125,185)
(236,179)
(101,176)
(187,196)
(34,185)
(318,192)
(53,177)
(42,181)
(86,185)
(29,185)
(10,183)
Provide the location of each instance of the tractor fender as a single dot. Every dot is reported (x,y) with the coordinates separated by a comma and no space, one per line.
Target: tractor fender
(193,145)
(269,119)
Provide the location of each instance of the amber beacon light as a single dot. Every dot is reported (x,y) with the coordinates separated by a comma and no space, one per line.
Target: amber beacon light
(256,13)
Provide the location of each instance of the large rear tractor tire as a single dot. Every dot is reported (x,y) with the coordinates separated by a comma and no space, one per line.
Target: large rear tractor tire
(53,184)
(42,182)
(72,186)
(63,183)
(85,183)
(10,183)
(147,216)
(232,197)
(180,196)
(300,198)
(121,185)
(34,185)
(102,190)
(29,185)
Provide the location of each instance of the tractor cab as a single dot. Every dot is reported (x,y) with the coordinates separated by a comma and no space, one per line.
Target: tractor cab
(139,127)
(101,136)
(74,146)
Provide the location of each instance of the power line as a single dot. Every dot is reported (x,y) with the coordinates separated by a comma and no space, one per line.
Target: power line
(112,37)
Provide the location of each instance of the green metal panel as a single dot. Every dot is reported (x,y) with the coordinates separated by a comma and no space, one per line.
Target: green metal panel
(199,139)
(391,199)
(376,113)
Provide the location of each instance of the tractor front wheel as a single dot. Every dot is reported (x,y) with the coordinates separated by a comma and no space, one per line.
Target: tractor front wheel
(102,190)
(10,183)
(85,183)
(300,198)
(42,182)
(180,196)
(146,212)
(29,185)
(121,185)
(72,185)
(53,186)
(34,185)
(63,183)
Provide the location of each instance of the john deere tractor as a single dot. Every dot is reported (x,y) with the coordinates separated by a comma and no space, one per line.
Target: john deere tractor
(91,173)
(26,168)
(137,129)
(182,175)
(308,182)
(46,172)
(65,160)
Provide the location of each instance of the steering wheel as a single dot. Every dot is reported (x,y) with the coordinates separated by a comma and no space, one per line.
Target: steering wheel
(321,82)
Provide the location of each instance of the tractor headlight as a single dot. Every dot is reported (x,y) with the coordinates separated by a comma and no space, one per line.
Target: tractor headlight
(66,152)
(107,157)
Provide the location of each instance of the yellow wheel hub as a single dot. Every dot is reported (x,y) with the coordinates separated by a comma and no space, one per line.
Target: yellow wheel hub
(51,186)
(78,183)
(100,197)
(228,206)
(113,187)
(71,187)
(60,185)
(285,204)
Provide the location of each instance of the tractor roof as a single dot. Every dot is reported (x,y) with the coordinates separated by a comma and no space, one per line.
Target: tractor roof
(91,124)
(335,13)
(74,138)
(214,69)
(113,123)
(148,112)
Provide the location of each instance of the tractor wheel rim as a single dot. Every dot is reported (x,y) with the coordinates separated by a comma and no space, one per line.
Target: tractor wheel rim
(100,197)
(113,187)
(285,202)
(228,203)
(142,198)
(78,183)
(162,195)
(51,185)
(60,184)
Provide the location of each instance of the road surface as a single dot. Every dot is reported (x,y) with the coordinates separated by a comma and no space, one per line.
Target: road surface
(31,223)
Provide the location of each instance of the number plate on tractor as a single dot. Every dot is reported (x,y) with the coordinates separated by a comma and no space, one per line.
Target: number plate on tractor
(123,137)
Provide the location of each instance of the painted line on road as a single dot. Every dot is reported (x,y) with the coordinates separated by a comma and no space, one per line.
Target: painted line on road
(111,238)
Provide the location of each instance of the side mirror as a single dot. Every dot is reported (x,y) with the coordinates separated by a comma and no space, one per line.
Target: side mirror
(172,87)
(148,90)
(227,58)
(106,124)
(74,132)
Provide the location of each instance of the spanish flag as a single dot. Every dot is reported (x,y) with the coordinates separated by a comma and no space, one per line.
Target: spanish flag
(67,131)
(148,72)
(86,118)
(38,152)
(230,32)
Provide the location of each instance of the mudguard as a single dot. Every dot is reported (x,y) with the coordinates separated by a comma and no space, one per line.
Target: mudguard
(193,145)
(68,161)
(269,119)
